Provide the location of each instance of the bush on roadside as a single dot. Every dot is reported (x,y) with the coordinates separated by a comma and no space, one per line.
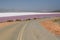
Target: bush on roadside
(10,20)
(57,20)
(28,19)
(1,22)
(34,18)
(18,20)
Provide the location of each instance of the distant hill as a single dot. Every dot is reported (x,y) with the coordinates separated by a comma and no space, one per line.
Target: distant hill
(18,10)
(56,11)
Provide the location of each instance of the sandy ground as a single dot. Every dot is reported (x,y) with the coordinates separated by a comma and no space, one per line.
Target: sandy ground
(51,26)
(4,24)
(26,30)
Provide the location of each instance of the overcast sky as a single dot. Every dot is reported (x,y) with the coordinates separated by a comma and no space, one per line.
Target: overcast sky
(30,5)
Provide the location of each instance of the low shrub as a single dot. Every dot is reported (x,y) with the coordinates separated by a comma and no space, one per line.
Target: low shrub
(10,20)
(28,19)
(18,20)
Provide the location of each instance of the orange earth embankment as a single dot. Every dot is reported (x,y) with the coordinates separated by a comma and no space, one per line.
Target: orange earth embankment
(51,26)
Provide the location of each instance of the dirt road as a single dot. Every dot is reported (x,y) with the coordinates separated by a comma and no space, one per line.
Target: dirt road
(26,30)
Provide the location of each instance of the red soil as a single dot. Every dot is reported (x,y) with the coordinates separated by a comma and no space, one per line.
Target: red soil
(51,26)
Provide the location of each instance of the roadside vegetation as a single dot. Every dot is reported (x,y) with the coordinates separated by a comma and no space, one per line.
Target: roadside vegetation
(56,20)
(34,18)
(18,20)
(9,20)
(28,19)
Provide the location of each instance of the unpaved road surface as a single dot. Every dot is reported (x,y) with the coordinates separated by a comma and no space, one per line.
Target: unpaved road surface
(26,30)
